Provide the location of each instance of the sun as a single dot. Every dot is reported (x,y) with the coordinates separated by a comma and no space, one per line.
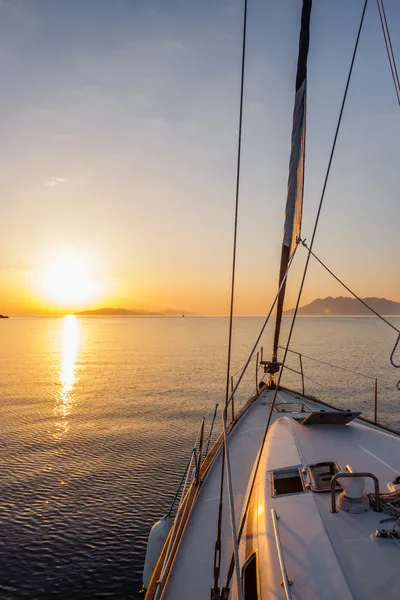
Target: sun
(67,278)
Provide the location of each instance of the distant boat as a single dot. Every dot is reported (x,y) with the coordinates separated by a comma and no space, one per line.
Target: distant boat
(275,509)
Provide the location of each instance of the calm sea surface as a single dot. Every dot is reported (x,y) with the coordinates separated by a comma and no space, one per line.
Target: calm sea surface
(98,416)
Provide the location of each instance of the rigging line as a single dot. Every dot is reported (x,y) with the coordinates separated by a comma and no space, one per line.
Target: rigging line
(305,268)
(384,31)
(217,550)
(390,43)
(239,155)
(238,383)
(232,509)
(225,450)
(389,47)
(240,369)
(225,458)
(349,290)
(395,365)
(323,362)
(251,355)
(365,304)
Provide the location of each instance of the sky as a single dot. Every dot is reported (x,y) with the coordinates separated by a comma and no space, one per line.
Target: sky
(118,144)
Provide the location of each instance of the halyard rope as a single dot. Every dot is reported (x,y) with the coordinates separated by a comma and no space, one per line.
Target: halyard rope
(225,455)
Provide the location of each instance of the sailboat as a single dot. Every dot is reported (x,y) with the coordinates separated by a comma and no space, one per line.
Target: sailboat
(296,498)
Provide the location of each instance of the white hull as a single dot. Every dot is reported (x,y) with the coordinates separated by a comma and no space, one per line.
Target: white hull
(326,555)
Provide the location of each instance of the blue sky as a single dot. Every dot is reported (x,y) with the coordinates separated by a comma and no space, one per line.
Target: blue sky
(118,125)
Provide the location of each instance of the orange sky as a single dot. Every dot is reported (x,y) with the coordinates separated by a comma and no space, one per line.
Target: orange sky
(119,144)
(67,284)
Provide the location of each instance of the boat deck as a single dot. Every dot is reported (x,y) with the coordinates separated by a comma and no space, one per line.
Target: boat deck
(371,450)
(327,555)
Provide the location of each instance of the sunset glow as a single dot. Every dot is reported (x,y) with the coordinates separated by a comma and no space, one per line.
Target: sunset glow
(67,279)
(69,351)
(119,192)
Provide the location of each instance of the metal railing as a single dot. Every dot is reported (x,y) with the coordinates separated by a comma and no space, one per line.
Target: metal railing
(198,454)
(349,475)
(383,419)
(188,485)
(191,479)
(286,583)
(201,447)
(254,382)
(303,377)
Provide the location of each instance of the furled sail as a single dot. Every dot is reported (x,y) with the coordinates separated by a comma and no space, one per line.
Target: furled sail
(294,201)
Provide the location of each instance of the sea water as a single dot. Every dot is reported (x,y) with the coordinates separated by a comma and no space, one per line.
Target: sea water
(98,417)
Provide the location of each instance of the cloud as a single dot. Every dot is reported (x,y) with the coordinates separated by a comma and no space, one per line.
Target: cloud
(53,181)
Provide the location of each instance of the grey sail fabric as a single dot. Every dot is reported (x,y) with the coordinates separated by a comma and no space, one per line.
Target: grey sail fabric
(294,203)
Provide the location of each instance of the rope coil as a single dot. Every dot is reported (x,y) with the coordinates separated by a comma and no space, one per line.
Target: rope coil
(390,503)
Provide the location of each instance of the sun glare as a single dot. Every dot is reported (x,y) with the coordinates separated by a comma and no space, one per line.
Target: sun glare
(69,352)
(67,279)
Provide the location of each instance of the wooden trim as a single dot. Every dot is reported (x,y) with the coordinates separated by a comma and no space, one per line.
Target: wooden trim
(187,507)
(157,569)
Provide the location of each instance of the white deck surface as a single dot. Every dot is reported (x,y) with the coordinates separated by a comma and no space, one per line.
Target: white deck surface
(327,555)
(193,568)
(347,540)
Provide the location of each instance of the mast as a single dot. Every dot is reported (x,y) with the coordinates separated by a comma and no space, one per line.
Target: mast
(295,188)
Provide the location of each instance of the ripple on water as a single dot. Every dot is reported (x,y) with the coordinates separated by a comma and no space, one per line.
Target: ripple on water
(96,427)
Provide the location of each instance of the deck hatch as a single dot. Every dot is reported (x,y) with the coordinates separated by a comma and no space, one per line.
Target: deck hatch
(291,407)
(320,475)
(330,417)
(286,481)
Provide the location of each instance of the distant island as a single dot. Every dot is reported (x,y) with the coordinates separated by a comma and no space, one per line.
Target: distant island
(123,312)
(348,307)
(3,317)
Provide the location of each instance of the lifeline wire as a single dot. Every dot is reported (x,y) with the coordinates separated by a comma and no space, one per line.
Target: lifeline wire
(239,155)
(329,364)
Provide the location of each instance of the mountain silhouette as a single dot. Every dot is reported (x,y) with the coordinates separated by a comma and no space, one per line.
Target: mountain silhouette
(348,306)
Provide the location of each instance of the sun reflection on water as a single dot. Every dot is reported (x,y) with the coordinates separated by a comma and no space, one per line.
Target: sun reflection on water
(69,351)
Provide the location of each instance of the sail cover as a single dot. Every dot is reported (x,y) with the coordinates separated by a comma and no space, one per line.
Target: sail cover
(294,201)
